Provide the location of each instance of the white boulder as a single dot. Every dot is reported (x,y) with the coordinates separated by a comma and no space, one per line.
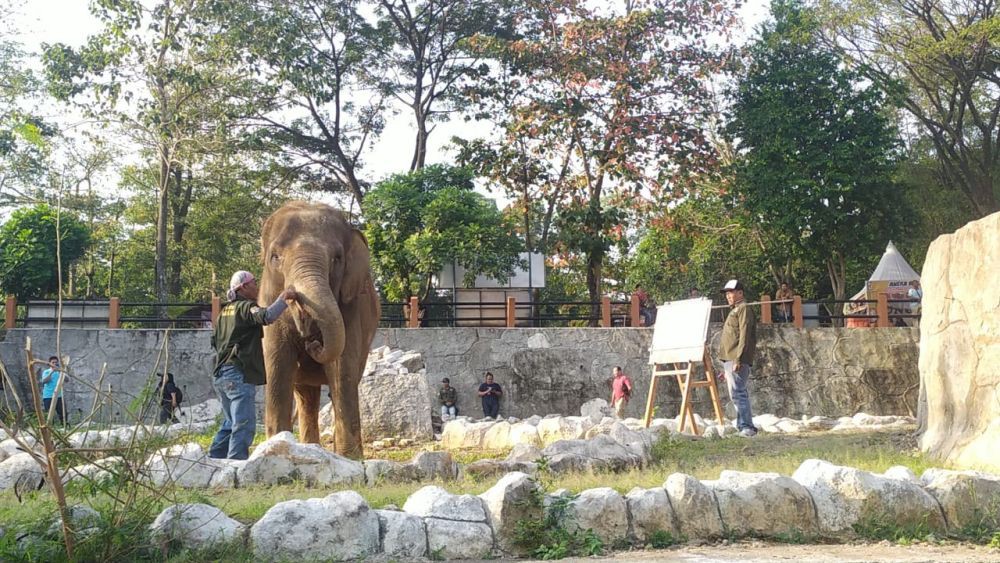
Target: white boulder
(515,497)
(968,498)
(651,512)
(435,502)
(601,510)
(19,466)
(451,539)
(596,409)
(694,505)
(339,526)
(186,465)
(766,504)
(845,496)
(403,535)
(196,526)
(552,430)
(281,459)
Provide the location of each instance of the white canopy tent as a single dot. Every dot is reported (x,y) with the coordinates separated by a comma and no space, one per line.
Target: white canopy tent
(892,268)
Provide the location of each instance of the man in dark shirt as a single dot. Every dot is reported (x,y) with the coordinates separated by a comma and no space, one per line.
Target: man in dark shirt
(449,398)
(239,364)
(737,350)
(490,392)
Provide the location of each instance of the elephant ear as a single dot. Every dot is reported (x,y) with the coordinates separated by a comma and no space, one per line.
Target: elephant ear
(357,268)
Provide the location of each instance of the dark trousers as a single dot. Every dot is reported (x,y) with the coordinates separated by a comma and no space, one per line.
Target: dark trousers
(60,409)
(167,413)
(491,408)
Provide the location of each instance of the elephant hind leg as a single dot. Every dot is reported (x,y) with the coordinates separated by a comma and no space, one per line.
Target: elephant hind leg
(307,405)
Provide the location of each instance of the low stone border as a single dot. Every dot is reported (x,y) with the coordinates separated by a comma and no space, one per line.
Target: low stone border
(568,443)
(820,500)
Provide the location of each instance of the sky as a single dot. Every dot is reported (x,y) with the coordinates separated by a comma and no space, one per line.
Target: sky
(70,22)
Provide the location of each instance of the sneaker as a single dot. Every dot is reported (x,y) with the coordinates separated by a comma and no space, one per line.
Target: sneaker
(748,432)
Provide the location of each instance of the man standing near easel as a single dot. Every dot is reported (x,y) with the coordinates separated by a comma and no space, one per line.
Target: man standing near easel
(739,343)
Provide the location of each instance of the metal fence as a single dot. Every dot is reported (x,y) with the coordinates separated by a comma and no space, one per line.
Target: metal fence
(113,313)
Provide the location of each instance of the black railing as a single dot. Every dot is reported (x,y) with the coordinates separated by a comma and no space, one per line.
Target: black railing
(79,313)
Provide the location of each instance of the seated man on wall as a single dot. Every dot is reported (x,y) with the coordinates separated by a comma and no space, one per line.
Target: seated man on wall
(449,400)
(490,393)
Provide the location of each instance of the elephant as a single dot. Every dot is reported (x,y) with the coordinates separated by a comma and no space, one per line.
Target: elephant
(326,338)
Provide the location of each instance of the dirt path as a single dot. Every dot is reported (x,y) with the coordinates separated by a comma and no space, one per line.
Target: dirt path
(754,552)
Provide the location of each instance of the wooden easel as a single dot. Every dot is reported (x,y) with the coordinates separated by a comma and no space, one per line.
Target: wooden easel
(684,372)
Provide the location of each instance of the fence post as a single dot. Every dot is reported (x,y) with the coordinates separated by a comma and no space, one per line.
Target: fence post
(765,309)
(114,312)
(216,308)
(606,311)
(414,320)
(633,311)
(511,308)
(882,309)
(797,311)
(10,313)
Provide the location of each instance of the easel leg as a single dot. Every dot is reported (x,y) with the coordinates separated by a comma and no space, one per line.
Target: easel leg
(648,418)
(713,389)
(686,410)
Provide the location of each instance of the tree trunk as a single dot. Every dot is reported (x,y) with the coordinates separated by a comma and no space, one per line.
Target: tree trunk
(836,268)
(595,260)
(181,206)
(162,215)
(420,148)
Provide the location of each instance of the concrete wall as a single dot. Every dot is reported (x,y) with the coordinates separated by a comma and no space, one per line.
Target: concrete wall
(833,372)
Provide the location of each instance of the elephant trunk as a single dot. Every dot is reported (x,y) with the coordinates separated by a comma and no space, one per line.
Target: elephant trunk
(319,304)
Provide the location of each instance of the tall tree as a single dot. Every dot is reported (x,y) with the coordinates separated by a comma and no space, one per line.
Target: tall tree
(311,60)
(426,60)
(939,59)
(28,266)
(609,110)
(416,223)
(817,149)
(24,136)
(158,73)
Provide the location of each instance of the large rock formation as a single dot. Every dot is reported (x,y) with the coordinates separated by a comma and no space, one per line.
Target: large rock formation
(394,396)
(960,345)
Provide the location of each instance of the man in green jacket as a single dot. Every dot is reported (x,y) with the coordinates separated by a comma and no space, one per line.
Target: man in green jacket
(239,362)
(737,349)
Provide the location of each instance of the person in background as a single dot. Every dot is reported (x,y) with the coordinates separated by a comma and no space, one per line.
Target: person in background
(693,293)
(647,312)
(737,350)
(51,390)
(239,364)
(621,391)
(490,393)
(169,398)
(449,399)
(784,293)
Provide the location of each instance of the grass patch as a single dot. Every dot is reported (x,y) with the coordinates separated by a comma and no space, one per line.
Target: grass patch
(704,459)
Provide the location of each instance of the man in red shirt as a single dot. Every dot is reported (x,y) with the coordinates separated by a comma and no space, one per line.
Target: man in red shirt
(621,392)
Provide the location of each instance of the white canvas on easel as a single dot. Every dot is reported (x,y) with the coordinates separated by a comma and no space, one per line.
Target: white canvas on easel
(680,331)
(679,340)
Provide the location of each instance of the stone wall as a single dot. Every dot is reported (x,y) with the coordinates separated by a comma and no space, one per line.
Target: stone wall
(961,347)
(818,371)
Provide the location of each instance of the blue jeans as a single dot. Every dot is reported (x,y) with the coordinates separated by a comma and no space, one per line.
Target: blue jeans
(738,394)
(449,410)
(240,415)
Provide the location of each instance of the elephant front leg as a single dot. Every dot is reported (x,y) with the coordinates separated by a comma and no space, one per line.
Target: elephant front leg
(347,411)
(281,365)
(307,404)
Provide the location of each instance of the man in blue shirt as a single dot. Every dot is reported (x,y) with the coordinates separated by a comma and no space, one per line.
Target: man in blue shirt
(490,392)
(50,382)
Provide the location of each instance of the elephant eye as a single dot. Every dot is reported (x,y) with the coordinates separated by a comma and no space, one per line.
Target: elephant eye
(275,258)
